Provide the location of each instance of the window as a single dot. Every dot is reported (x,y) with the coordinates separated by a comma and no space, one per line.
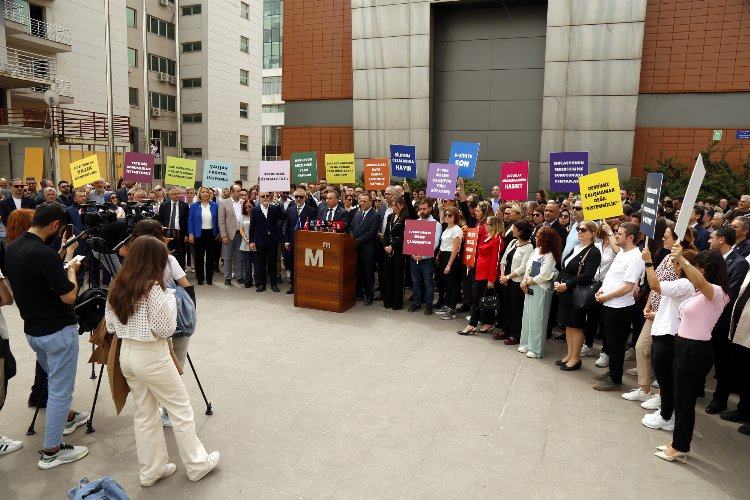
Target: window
(243,173)
(273,108)
(191,47)
(244,10)
(243,110)
(191,83)
(244,77)
(243,143)
(271,85)
(160,27)
(168,137)
(133,96)
(163,101)
(271,143)
(272,33)
(161,64)
(244,44)
(131,15)
(192,118)
(192,151)
(191,10)
(132,57)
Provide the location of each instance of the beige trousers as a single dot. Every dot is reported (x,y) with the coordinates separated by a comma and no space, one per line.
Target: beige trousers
(643,355)
(152,377)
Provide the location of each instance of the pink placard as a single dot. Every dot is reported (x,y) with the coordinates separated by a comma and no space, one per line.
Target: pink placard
(514,181)
(274,176)
(419,237)
(138,167)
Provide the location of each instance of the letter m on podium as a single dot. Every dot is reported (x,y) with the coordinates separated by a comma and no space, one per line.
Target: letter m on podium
(313,257)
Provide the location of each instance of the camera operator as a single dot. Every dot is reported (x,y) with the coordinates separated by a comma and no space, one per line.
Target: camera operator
(45,294)
(143,315)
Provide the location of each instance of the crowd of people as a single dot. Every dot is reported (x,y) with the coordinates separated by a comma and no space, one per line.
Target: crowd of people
(676,304)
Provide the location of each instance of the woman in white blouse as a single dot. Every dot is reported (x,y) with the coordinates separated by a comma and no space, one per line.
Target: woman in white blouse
(143,315)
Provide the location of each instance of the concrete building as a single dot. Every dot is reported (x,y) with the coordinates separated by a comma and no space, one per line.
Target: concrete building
(622,79)
(273,106)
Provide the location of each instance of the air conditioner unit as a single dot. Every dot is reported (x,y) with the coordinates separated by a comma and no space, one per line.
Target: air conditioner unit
(155,112)
(164,2)
(163,77)
(173,80)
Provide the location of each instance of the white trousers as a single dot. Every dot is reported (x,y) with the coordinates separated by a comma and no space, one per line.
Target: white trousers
(153,377)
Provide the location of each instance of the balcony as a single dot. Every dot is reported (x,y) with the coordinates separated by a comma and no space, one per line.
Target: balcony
(69,126)
(33,34)
(62,87)
(25,69)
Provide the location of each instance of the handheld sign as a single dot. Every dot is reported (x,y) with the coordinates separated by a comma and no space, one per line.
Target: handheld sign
(340,168)
(403,161)
(691,196)
(566,168)
(138,167)
(441,181)
(180,172)
(465,154)
(514,181)
(273,176)
(376,174)
(470,247)
(85,171)
(600,195)
(304,167)
(419,237)
(217,173)
(650,207)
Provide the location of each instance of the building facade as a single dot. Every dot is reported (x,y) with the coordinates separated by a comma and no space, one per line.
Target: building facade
(273,106)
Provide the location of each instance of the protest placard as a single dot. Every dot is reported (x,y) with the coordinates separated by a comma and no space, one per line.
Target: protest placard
(180,172)
(217,173)
(441,181)
(470,247)
(650,206)
(565,169)
(376,174)
(340,168)
(85,171)
(403,161)
(691,196)
(600,194)
(514,181)
(304,167)
(465,154)
(273,176)
(138,167)
(419,237)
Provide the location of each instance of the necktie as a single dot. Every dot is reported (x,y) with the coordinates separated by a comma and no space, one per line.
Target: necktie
(173,216)
(299,211)
(330,214)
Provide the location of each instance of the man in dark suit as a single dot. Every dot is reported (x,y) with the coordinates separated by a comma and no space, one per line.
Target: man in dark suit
(701,239)
(297,215)
(364,228)
(16,200)
(741,227)
(173,214)
(723,239)
(122,193)
(332,211)
(265,236)
(551,214)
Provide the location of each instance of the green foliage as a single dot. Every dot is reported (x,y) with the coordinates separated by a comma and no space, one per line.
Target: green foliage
(417,184)
(635,184)
(470,186)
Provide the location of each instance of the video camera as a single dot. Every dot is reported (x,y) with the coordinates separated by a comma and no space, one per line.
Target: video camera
(95,215)
(136,212)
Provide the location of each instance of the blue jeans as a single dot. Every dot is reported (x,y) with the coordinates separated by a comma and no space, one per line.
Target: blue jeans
(246,266)
(422,282)
(58,355)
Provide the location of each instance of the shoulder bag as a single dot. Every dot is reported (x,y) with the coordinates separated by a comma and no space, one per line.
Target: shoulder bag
(584,296)
(489,302)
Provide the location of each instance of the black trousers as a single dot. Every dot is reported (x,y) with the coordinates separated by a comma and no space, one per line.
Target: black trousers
(366,273)
(513,298)
(265,263)
(617,330)
(662,361)
(593,324)
(392,284)
(467,285)
(741,371)
(205,256)
(179,249)
(692,360)
(722,365)
(449,285)
(477,292)
(289,263)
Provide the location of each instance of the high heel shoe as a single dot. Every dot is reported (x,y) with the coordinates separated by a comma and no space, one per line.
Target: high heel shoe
(470,332)
(678,455)
(662,447)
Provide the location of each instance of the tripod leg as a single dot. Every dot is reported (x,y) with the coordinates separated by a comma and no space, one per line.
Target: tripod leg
(31,431)
(90,423)
(93,371)
(209,410)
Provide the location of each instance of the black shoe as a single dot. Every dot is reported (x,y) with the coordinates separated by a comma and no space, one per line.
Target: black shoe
(744,429)
(228,282)
(427,310)
(560,338)
(261,288)
(200,282)
(240,281)
(440,303)
(248,285)
(411,298)
(715,407)
(733,416)
(290,291)
(378,297)
(414,307)
(209,282)
(567,368)
(275,288)
(559,362)
(463,309)
(217,270)
(368,302)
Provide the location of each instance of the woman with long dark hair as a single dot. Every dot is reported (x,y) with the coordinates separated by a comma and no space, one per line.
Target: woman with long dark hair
(513,267)
(392,289)
(143,315)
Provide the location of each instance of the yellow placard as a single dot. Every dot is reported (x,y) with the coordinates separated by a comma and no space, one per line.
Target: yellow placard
(600,195)
(340,168)
(85,171)
(180,172)
(33,163)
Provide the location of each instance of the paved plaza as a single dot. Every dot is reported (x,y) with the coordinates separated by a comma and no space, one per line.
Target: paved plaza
(377,404)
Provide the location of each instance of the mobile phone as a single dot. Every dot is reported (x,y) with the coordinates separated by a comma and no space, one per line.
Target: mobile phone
(531,291)
(69,230)
(77,258)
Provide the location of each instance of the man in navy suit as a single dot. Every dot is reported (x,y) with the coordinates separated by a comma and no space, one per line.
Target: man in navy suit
(701,240)
(173,214)
(364,228)
(332,211)
(265,236)
(16,200)
(298,214)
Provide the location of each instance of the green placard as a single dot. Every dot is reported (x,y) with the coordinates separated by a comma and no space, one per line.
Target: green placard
(180,172)
(304,167)
(718,134)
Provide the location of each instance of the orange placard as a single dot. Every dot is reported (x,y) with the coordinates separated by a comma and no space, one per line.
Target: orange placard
(470,247)
(377,176)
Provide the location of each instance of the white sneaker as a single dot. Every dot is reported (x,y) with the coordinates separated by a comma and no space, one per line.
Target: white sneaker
(652,403)
(587,351)
(468,318)
(632,372)
(603,360)
(64,455)
(532,355)
(169,469)
(655,384)
(630,354)
(78,420)
(637,395)
(213,461)
(655,421)
(8,445)
(521,349)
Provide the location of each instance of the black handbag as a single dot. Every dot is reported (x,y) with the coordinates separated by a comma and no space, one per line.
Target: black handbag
(584,296)
(488,302)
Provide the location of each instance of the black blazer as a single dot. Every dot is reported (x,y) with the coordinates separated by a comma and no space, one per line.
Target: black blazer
(266,230)
(560,229)
(743,248)
(394,234)
(8,205)
(365,230)
(569,274)
(290,220)
(165,213)
(737,268)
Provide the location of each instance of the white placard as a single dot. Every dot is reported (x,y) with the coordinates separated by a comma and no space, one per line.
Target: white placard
(691,196)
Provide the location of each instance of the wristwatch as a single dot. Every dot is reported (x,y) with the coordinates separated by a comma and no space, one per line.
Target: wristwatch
(649,264)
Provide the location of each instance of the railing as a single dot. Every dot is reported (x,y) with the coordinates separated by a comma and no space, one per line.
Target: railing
(67,123)
(49,31)
(62,87)
(26,64)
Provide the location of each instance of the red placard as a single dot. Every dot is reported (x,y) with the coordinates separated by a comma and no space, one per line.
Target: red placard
(419,237)
(514,181)
(377,176)
(470,246)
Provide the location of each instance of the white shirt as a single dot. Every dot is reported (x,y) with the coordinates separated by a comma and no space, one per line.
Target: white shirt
(388,211)
(206,219)
(237,205)
(576,250)
(176,213)
(673,293)
(155,317)
(626,268)
(446,239)
(264,209)
(173,272)
(17,201)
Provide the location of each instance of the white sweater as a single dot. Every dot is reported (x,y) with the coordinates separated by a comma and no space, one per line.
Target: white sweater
(155,317)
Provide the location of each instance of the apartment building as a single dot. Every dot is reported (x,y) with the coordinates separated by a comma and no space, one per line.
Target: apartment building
(218,78)
(273,106)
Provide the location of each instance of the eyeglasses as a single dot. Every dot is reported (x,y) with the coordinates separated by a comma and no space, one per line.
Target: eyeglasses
(577,209)
(264,196)
(449,215)
(564,215)
(19,186)
(582,229)
(536,215)
(299,197)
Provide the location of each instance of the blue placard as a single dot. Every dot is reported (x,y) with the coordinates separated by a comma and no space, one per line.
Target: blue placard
(743,135)
(217,173)
(465,154)
(403,161)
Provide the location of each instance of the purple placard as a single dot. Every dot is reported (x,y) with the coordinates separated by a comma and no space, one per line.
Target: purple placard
(565,169)
(441,181)
(138,167)
(419,237)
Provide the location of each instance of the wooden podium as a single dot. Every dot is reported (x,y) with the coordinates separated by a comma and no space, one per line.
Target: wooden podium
(325,270)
